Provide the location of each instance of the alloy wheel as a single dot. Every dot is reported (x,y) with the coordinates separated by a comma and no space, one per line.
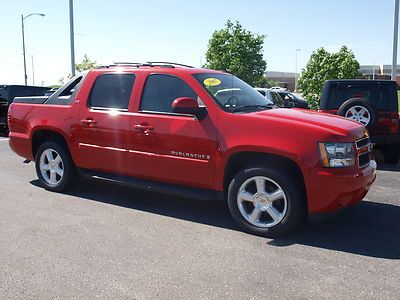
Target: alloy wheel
(262,202)
(359,113)
(51,167)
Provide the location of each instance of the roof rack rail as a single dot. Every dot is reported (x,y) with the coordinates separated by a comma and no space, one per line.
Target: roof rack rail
(123,63)
(168,63)
(146,64)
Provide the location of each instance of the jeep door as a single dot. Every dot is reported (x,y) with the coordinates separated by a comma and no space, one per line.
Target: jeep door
(170,147)
(103,132)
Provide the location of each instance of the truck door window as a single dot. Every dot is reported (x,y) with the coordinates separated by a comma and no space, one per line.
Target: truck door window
(112,91)
(161,90)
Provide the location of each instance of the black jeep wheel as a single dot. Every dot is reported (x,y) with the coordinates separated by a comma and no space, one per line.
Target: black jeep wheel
(265,202)
(360,110)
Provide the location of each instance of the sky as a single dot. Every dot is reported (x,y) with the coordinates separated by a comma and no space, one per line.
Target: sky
(179,31)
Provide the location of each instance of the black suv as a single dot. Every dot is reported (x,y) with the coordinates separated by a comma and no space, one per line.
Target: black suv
(373,103)
(7,95)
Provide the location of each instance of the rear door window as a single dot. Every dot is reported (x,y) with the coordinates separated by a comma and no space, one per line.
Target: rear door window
(112,91)
(369,92)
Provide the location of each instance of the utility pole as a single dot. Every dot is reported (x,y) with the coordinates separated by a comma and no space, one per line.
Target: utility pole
(33,70)
(23,41)
(23,49)
(71,30)
(395,38)
(373,70)
(295,72)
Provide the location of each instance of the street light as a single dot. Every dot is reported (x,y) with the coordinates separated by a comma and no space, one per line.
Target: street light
(33,70)
(295,72)
(71,32)
(373,69)
(23,40)
(395,37)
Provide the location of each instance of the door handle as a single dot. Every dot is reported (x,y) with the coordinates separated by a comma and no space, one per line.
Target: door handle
(144,128)
(88,122)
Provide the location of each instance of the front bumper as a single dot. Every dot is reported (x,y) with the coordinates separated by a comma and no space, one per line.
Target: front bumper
(334,189)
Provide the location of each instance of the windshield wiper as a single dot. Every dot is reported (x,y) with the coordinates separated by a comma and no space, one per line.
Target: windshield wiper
(252,107)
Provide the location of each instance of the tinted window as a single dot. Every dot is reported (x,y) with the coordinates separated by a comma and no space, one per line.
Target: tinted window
(161,90)
(289,97)
(112,91)
(370,92)
(284,96)
(277,99)
(261,92)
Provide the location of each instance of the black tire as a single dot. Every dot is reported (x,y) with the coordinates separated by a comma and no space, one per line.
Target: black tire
(295,196)
(69,176)
(391,153)
(359,102)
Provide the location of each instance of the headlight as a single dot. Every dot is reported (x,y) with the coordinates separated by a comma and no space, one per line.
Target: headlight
(336,155)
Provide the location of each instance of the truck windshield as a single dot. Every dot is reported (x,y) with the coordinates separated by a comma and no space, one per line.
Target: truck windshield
(232,94)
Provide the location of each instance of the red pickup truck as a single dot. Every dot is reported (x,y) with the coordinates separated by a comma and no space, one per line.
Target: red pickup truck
(196,133)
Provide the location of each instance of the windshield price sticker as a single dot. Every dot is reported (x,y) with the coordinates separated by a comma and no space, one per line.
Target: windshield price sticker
(212,82)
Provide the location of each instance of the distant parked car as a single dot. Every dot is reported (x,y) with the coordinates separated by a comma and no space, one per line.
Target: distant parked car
(294,98)
(273,96)
(278,88)
(7,94)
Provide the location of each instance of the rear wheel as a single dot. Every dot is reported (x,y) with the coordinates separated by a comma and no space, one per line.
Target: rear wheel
(54,167)
(391,154)
(264,202)
(359,110)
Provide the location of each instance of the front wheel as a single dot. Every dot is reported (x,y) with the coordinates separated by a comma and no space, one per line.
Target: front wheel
(264,202)
(54,167)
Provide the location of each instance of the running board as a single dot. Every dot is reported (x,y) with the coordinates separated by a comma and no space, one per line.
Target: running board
(154,186)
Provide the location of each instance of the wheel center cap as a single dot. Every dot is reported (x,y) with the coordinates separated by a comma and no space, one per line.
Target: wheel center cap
(262,199)
(52,165)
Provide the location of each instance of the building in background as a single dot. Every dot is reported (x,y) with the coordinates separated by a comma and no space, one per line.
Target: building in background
(283,79)
(378,72)
(287,79)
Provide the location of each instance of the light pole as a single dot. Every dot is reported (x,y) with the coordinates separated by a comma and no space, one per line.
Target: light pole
(395,36)
(33,70)
(23,40)
(373,70)
(71,32)
(295,72)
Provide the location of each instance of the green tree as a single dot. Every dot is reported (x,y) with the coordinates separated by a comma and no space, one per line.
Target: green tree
(324,66)
(237,51)
(85,64)
(265,82)
(262,82)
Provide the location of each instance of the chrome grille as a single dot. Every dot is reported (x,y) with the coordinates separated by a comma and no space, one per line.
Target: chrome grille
(364,149)
(363,142)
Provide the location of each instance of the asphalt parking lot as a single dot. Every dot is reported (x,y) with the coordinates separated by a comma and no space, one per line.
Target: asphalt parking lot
(106,241)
